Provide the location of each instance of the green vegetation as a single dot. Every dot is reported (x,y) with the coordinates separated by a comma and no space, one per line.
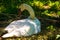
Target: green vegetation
(47,11)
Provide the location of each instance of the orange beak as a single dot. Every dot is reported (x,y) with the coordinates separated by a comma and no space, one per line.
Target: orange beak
(19,12)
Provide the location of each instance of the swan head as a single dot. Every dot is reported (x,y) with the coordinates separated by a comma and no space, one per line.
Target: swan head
(27,7)
(22,7)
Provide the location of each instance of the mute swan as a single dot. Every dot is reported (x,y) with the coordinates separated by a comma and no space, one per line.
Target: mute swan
(24,27)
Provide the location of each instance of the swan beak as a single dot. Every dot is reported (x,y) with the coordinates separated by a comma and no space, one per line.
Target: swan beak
(19,10)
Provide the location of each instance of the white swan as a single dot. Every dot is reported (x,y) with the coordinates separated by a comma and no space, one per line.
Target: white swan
(25,27)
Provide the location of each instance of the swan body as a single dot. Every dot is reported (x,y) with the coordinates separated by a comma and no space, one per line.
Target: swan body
(24,27)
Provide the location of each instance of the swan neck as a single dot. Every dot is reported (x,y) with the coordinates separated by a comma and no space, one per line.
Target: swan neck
(31,12)
(29,9)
